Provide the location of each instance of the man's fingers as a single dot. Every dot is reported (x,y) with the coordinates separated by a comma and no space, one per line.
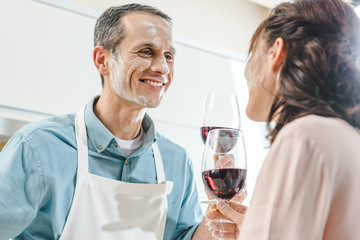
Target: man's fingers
(224,161)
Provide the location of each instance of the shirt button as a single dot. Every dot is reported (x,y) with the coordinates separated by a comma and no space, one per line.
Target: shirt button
(126,162)
(115,144)
(100,147)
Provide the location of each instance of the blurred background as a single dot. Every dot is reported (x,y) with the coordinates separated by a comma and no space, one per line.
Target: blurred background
(47,65)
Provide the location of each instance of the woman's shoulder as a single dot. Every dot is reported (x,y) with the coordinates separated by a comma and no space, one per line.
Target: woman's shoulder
(314,124)
(319,129)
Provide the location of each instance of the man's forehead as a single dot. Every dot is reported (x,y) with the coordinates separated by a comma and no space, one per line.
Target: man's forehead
(146,20)
(148,30)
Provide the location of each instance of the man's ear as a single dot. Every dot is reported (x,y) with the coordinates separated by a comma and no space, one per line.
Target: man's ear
(278,54)
(99,57)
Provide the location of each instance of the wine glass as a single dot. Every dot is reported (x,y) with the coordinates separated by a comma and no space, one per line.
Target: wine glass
(224,165)
(221,110)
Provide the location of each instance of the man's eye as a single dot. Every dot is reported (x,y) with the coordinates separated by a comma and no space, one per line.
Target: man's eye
(169,57)
(145,52)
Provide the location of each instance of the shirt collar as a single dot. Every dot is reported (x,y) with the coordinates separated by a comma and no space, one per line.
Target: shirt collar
(101,137)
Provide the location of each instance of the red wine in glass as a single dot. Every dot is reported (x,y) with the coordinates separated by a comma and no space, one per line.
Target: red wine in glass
(224,183)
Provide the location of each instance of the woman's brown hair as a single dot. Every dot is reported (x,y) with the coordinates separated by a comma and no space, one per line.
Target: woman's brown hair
(320,74)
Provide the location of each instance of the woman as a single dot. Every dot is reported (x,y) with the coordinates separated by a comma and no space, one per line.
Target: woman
(303,74)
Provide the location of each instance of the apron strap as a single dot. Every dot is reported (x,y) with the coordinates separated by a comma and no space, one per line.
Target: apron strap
(159,163)
(81,140)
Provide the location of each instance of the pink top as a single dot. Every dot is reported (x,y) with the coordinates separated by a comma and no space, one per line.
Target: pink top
(309,184)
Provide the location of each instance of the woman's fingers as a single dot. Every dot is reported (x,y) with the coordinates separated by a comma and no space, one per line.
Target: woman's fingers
(236,214)
(214,213)
(224,235)
(222,229)
(226,226)
(240,197)
(232,211)
(237,207)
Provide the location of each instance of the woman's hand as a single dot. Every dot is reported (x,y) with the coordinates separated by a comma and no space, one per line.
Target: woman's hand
(232,211)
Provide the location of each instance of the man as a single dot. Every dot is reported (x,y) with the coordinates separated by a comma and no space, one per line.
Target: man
(106,173)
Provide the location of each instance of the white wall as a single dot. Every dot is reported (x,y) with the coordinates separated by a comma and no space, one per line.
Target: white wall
(47,58)
(227,23)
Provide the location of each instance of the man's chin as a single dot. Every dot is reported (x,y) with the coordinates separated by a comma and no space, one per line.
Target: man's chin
(145,102)
(153,106)
(141,101)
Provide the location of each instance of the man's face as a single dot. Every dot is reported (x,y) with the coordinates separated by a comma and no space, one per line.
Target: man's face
(143,68)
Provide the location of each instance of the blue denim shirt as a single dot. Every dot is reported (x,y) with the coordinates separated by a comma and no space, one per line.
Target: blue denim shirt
(38,171)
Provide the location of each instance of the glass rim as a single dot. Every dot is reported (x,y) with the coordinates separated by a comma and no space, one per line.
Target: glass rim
(225,129)
(221,92)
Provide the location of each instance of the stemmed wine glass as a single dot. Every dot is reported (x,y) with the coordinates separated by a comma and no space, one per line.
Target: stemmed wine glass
(221,110)
(224,166)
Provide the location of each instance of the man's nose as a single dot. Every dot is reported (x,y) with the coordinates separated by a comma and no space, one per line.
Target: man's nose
(160,65)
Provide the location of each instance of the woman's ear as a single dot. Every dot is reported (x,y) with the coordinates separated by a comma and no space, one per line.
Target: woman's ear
(99,57)
(278,51)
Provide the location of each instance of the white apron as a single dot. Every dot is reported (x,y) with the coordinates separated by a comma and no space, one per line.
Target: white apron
(104,208)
